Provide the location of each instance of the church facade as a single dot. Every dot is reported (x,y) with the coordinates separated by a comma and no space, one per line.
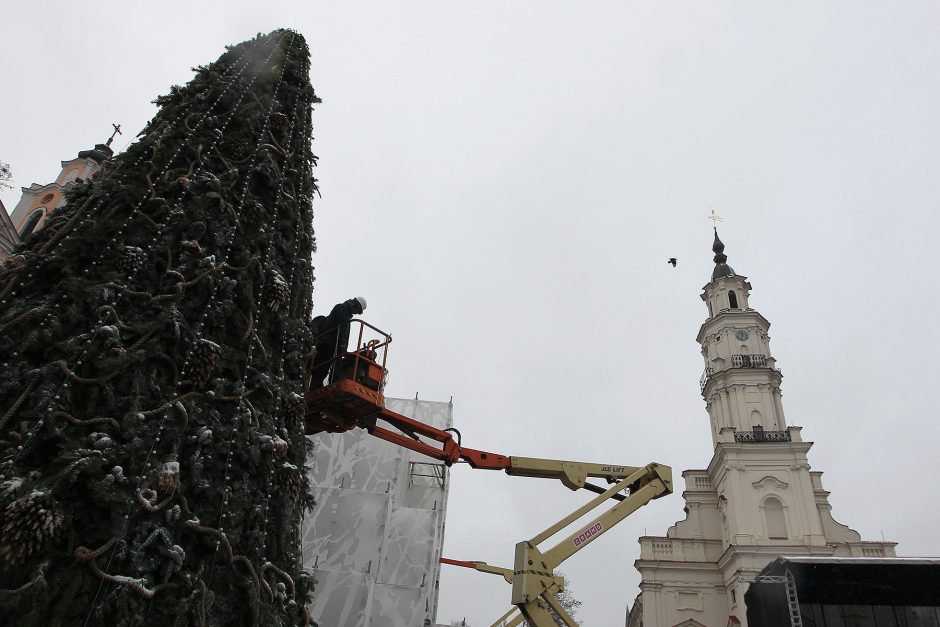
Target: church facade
(758,499)
(39,201)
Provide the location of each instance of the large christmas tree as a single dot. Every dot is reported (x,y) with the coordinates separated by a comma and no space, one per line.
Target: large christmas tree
(152,346)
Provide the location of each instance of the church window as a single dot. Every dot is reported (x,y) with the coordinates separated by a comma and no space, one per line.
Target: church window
(732,299)
(774,518)
(31,223)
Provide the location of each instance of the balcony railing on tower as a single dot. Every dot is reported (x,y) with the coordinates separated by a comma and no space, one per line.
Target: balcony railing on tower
(749,361)
(737,361)
(759,435)
(704,379)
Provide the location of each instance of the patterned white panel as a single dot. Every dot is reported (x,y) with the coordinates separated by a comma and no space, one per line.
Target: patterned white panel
(377,466)
(423,497)
(409,548)
(355,460)
(439,415)
(331,466)
(428,493)
(427,486)
(342,599)
(347,530)
(376,516)
(398,606)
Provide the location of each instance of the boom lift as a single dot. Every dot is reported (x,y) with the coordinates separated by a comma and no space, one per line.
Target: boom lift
(352,397)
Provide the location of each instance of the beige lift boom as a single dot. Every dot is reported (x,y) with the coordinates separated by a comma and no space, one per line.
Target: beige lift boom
(534,583)
(354,398)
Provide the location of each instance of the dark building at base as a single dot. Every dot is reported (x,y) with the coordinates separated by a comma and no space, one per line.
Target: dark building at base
(846,592)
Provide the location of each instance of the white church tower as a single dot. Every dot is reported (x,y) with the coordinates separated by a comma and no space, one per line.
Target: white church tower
(758,498)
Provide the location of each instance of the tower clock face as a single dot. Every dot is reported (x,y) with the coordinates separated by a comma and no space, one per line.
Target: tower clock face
(741,334)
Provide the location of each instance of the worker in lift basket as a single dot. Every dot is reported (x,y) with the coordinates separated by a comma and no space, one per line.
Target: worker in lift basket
(333,338)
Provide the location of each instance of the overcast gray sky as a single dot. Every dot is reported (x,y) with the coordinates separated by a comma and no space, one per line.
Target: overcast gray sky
(505,181)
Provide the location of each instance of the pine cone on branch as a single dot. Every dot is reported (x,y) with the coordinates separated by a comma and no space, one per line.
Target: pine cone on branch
(278,292)
(29,524)
(291,483)
(168,477)
(237,150)
(203,360)
(130,259)
(296,409)
(253,213)
(280,446)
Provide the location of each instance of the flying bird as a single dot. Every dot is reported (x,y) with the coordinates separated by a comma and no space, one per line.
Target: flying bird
(672,260)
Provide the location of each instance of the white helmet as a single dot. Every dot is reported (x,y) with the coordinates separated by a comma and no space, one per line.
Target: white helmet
(362,302)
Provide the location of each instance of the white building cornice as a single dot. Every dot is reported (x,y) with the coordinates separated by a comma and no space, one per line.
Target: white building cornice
(730,317)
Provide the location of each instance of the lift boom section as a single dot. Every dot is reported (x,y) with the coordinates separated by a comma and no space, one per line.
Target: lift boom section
(353,398)
(534,584)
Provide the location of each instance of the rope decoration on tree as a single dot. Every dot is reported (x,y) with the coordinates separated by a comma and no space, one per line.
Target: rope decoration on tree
(83,554)
(88,422)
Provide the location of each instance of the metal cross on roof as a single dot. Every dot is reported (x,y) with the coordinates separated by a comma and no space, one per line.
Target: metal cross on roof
(715,218)
(117,131)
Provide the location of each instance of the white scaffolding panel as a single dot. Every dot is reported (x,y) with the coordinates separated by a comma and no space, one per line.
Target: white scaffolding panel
(374,538)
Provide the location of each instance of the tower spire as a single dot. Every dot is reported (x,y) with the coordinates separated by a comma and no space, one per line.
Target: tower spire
(721,266)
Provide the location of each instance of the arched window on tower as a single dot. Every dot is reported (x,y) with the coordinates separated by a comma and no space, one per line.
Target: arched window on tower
(774,519)
(732,299)
(31,223)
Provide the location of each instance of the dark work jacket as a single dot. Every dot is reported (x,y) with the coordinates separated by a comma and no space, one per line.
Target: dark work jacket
(335,331)
(333,340)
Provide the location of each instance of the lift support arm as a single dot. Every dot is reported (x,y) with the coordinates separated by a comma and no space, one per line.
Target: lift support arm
(534,583)
(448,452)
